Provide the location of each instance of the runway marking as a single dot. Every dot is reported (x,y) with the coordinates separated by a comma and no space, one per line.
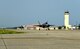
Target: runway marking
(4,42)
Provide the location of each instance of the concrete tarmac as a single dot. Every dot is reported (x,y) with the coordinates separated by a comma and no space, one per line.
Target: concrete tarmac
(32,39)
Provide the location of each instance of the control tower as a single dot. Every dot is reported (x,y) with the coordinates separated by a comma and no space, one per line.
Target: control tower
(66,20)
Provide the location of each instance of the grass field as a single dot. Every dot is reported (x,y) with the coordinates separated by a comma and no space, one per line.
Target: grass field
(5,31)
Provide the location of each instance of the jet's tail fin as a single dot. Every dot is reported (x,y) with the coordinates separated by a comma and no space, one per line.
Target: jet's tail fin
(45,23)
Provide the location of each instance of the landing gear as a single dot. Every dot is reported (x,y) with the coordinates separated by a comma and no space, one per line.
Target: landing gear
(48,29)
(39,28)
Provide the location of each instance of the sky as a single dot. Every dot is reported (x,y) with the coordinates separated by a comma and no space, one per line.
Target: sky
(24,12)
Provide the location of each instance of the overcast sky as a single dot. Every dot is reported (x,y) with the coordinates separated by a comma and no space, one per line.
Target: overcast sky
(20,12)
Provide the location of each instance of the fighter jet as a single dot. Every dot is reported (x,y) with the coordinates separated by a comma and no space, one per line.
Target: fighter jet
(44,25)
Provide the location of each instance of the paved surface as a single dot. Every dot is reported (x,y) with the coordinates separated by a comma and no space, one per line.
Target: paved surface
(41,40)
